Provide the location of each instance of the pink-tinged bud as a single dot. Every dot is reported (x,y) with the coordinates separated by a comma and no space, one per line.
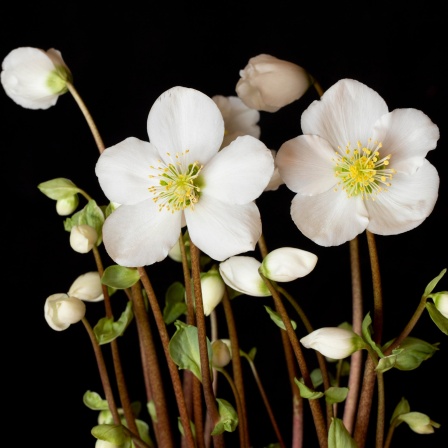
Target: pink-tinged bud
(268,83)
(87,287)
(83,238)
(61,311)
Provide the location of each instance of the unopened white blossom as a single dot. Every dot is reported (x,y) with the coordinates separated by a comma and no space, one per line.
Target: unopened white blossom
(34,78)
(67,206)
(287,264)
(61,311)
(83,238)
(87,287)
(268,83)
(333,342)
(241,274)
(213,288)
(441,302)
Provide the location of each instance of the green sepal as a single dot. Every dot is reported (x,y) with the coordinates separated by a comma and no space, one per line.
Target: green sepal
(110,433)
(401,408)
(387,362)
(278,320)
(59,188)
(152,410)
(175,305)
(91,215)
(366,334)
(433,283)
(120,277)
(306,392)
(94,401)
(184,349)
(106,330)
(336,394)
(338,436)
(228,420)
(437,317)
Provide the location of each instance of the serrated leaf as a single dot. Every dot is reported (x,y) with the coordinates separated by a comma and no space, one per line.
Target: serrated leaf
(277,319)
(120,277)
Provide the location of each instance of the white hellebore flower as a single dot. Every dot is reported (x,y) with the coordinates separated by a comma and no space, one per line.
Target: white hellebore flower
(61,311)
(87,287)
(213,289)
(287,264)
(83,238)
(241,274)
(268,83)
(238,118)
(333,342)
(180,177)
(441,302)
(358,166)
(34,78)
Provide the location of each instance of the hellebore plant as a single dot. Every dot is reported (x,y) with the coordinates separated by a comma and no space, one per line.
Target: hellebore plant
(188,195)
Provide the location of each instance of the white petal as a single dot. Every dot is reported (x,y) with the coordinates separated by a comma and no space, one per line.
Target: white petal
(239,173)
(184,119)
(140,235)
(329,219)
(345,113)
(305,164)
(123,170)
(406,204)
(408,135)
(220,230)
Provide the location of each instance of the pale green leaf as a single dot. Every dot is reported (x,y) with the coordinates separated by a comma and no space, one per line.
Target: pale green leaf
(120,277)
(110,433)
(228,420)
(336,394)
(277,319)
(175,305)
(106,330)
(433,283)
(306,392)
(59,188)
(338,436)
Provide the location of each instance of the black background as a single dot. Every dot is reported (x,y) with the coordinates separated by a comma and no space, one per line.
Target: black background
(122,59)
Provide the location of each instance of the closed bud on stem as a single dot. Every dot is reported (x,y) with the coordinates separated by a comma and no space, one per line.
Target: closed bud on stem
(67,206)
(268,83)
(221,352)
(333,342)
(287,264)
(213,288)
(441,302)
(418,422)
(87,287)
(62,310)
(83,238)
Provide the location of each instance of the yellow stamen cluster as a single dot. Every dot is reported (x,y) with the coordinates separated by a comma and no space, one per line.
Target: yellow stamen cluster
(178,184)
(362,172)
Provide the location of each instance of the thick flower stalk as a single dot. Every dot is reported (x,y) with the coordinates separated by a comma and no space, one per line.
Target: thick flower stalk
(358,166)
(181,177)
(34,78)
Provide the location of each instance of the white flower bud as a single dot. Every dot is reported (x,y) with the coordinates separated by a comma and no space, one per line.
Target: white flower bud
(287,264)
(418,422)
(241,273)
(441,302)
(67,206)
(34,78)
(268,83)
(333,342)
(212,290)
(221,352)
(104,444)
(83,238)
(87,287)
(61,311)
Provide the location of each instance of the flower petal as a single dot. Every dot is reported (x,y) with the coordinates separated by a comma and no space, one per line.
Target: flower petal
(407,134)
(239,173)
(346,112)
(305,164)
(406,204)
(140,234)
(220,230)
(123,170)
(184,119)
(330,218)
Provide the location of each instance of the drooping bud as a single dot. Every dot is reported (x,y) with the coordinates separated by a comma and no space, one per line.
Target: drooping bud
(67,206)
(61,311)
(441,302)
(83,238)
(221,352)
(241,273)
(418,422)
(87,287)
(268,83)
(213,289)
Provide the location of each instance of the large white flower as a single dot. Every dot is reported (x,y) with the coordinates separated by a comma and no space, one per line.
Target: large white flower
(34,78)
(180,177)
(359,166)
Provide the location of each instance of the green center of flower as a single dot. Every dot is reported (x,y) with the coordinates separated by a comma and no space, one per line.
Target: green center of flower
(178,184)
(362,171)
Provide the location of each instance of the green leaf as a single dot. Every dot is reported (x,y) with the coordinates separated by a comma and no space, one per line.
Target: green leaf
(401,408)
(228,418)
(94,401)
(338,436)
(366,332)
(152,410)
(175,305)
(437,317)
(184,349)
(106,330)
(432,284)
(278,320)
(336,394)
(306,392)
(120,277)
(59,188)
(316,377)
(110,433)
(386,363)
